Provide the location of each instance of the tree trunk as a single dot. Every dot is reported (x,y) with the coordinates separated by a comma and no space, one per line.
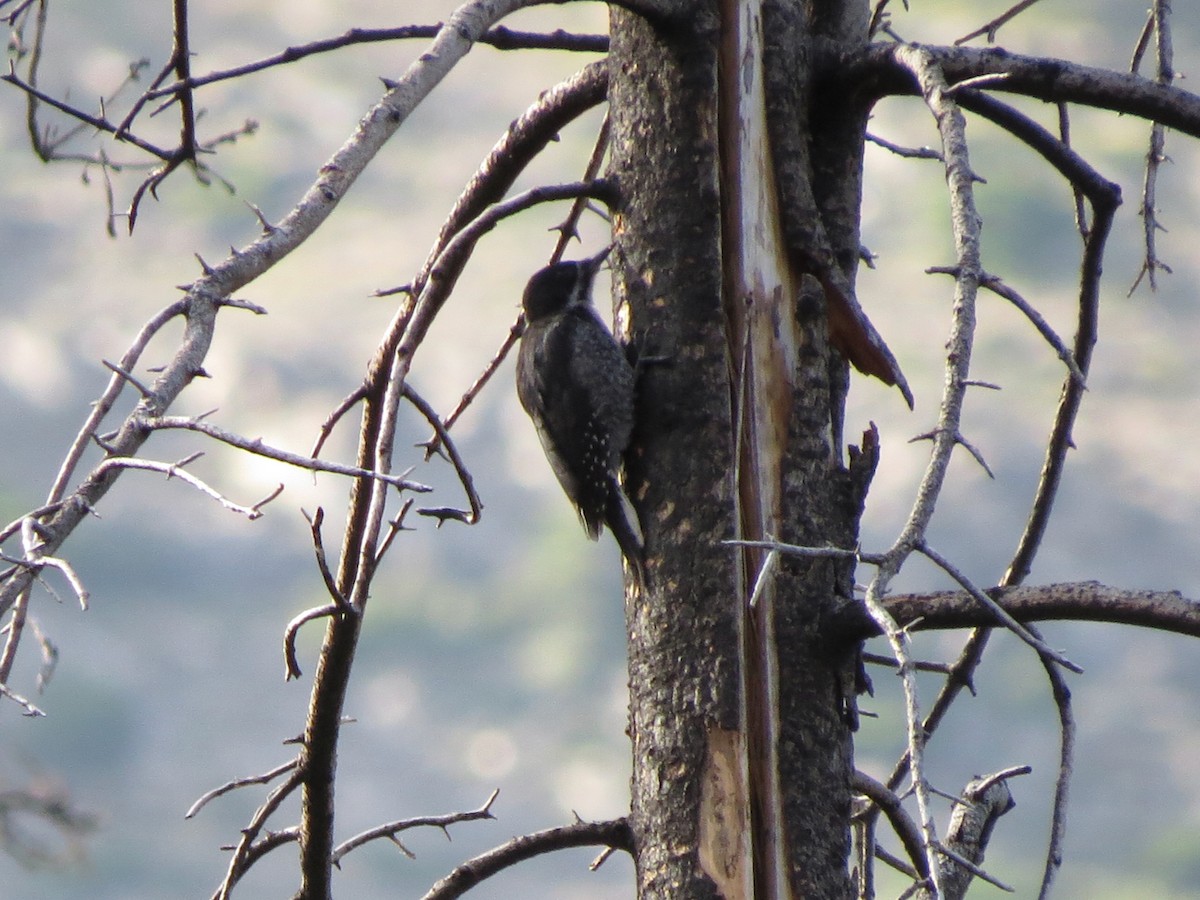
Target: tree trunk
(740,715)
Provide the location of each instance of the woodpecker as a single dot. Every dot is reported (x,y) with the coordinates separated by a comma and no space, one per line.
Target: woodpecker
(577,385)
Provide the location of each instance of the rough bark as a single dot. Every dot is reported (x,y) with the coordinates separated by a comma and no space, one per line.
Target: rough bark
(684,631)
(740,719)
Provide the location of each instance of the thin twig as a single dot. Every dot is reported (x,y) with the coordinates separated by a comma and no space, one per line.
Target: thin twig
(104,405)
(68,572)
(1104,197)
(906,829)
(33,515)
(395,526)
(1062,781)
(1143,42)
(905,152)
(344,406)
(291,662)
(993,26)
(961,441)
(879,659)
(460,469)
(971,867)
(128,376)
(314,525)
(264,778)
(807,552)
(997,286)
(100,123)
(15,628)
(30,710)
(500,38)
(391,829)
(244,854)
(1064,135)
(615,833)
(899,865)
(258,448)
(176,470)
(765,574)
(1002,616)
(1160,19)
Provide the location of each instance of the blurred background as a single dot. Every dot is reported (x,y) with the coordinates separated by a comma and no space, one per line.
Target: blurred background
(493,656)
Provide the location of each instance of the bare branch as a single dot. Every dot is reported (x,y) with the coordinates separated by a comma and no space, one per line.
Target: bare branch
(176,470)
(615,834)
(808,552)
(966,225)
(444,273)
(100,123)
(1104,208)
(249,849)
(960,440)
(68,571)
(395,526)
(900,866)
(344,406)
(881,67)
(878,659)
(30,710)
(102,407)
(264,778)
(141,388)
(391,829)
(500,38)
(314,524)
(1084,601)
(962,864)
(522,142)
(254,852)
(1062,781)
(258,448)
(1002,616)
(33,516)
(1160,23)
(291,662)
(994,284)
(15,628)
(905,152)
(1104,197)
(906,829)
(993,26)
(460,469)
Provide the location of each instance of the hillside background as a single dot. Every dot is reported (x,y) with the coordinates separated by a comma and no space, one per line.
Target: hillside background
(493,656)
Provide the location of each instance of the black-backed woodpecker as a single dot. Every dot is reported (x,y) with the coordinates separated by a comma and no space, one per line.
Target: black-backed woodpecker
(577,385)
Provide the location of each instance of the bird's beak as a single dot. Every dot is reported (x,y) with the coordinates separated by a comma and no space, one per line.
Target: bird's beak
(594,262)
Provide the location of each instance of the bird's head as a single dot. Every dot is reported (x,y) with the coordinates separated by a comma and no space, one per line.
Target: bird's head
(556,288)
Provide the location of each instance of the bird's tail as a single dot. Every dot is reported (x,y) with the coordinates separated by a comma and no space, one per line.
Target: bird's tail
(623,523)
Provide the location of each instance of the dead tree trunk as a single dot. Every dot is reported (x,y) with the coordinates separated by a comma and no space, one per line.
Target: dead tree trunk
(741,713)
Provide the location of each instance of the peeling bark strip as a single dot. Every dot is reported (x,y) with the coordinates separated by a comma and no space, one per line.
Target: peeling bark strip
(787,72)
(760,302)
(724,810)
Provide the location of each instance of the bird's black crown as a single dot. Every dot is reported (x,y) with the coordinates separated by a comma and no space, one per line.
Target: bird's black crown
(554,288)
